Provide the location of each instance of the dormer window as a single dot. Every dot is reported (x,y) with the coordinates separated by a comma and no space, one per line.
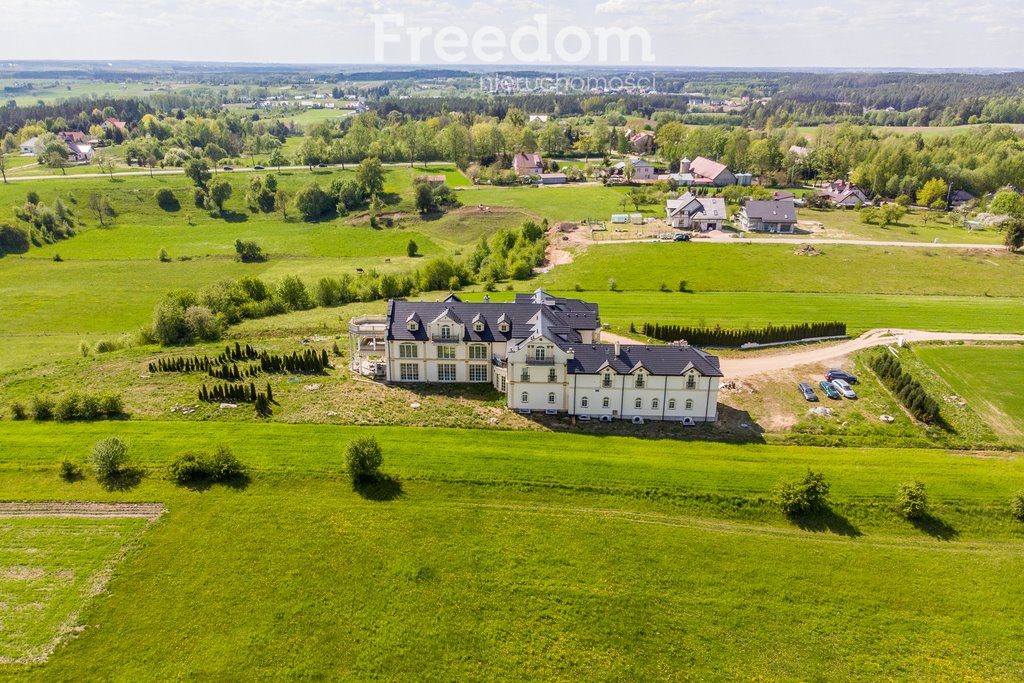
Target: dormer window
(640,380)
(691,382)
(539,353)
(478,327)
(503,327)
(413,326)
(446,332)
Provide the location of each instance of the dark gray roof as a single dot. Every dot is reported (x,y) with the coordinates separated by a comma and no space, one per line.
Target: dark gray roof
(672,359)
(556,318)
(771,210)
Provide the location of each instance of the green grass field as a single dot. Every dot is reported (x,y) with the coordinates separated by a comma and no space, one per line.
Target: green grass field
(988,378)
(50,569)
(769,268)
(563,556)
(561,202)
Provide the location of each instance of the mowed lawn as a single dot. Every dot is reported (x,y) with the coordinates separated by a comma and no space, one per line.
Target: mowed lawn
(561,202)
(50,568)
(989,378)
(540,556)
(776,268)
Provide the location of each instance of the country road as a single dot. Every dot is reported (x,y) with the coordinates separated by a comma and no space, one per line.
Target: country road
(812,241)
(740,367)
(737,368)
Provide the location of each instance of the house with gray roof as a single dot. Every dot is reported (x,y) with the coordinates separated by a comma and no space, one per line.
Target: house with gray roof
(544,353)
(689,212)
(768,215)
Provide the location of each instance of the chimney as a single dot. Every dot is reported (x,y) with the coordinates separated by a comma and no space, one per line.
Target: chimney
(570,353)
(487,298)
(618,349)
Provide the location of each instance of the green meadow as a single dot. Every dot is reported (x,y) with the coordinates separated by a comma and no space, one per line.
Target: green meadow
(988,378)
(542,556)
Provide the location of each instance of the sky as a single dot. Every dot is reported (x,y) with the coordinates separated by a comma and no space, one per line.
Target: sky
(939,34)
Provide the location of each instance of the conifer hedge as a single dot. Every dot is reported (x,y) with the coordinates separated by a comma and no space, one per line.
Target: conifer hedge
(733,338)
(907,389)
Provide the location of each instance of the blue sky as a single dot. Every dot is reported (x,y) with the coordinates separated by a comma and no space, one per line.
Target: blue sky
(729,33)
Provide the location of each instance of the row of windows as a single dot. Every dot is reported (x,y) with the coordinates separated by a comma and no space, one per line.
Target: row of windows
(639,380)
(446,372)
(638,403)
(524,376)
(410,350)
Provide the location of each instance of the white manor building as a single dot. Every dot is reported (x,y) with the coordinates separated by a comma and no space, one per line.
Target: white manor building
(542,352)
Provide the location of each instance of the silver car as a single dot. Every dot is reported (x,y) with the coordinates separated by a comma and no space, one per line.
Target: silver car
(843,387)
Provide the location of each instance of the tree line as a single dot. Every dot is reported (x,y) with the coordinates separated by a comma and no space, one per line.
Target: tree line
(734,338)
(908,390)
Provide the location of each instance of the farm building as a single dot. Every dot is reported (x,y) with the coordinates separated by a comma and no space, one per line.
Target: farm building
(544,353)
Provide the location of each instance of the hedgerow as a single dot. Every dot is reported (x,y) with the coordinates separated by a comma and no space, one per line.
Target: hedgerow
(908,390)
(719,336)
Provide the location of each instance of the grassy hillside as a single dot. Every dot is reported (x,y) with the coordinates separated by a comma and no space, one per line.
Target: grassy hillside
(565,556)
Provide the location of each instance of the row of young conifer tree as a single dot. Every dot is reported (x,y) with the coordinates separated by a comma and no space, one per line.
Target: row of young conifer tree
(732,338)
(907,389)
(240,393)
(225,367)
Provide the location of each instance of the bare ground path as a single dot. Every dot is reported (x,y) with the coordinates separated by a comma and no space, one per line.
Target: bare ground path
(88,510)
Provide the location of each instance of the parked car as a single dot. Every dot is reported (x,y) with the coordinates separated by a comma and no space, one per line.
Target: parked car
(829,390)
(681,237)
(321,165)
(808,392)
(228,168)
(258,168)
(839,374)
(843,387)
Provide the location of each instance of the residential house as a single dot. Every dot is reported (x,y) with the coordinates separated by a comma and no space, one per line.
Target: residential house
(696,213)
(768,215)
(642,142)
(783,194)
(844,194)
(79,151)
(115,123)
(527,163)
(542,118)
(31,146)
(544,354)
(960,197)
(70,136)
(704,171)
(642,170)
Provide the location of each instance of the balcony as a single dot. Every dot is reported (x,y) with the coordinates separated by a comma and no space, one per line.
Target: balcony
(540,361)
(499,362)
(445,340)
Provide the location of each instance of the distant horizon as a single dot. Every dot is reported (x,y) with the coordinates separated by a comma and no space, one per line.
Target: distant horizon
(856,35)
(9,63)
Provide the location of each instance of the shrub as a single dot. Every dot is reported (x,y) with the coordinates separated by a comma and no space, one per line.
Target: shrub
(109,457)
(42,408)
(1017,506)
(69,471)
(363,459)
(18,411)
(249,252)
(163,256)
(911,500)
(68,407)
(804,495)
(193,466)
(166,200)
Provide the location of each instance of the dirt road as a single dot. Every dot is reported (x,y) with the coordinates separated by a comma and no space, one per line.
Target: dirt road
(738,368)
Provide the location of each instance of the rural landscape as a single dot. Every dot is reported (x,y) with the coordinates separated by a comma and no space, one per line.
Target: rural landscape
(377,373)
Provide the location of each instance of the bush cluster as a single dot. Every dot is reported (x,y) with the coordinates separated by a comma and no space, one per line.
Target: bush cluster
(907,389)
(911,500)
(239,393)
(732,338)
(196,465)
(70,407)
(363,459)
(109,457)
(802,496)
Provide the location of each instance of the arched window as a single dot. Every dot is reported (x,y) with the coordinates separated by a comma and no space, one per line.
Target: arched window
(671,404)
(539,353)
(638,404)
(525,398)
(551,397)
(654,403)
(446,332)
(584,402)
(604,403)
(689,404)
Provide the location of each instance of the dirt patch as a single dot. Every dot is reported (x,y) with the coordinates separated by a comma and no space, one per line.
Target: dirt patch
(17,508)
(564,241)
(807,250)
(21,574)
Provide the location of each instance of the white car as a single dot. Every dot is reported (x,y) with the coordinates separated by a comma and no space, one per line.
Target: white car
(844,388)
